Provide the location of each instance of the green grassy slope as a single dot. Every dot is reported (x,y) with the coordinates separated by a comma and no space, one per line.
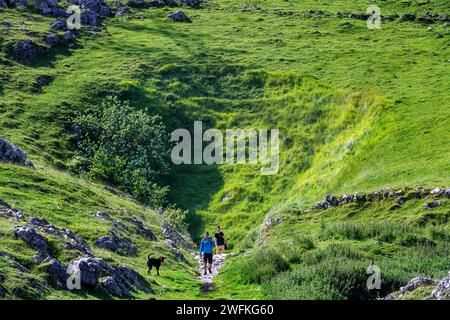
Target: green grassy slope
(358,109)
(69,202)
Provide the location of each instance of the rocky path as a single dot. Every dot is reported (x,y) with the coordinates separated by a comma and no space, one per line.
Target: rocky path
(207,280)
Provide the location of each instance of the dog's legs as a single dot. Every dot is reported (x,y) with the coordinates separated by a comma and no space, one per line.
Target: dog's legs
(150,270)
(157,271)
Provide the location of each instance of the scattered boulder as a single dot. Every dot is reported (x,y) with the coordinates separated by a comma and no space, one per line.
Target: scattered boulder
(141,229)
(6,23)
(399,196)
(90,18)
(25,51)
(332,200)
(442,290)
(57,273)
(431,205)
(359,16)
(59,24)
(192,3)
(179,16)
(415,283)
(447,193)
(118,226)
(32,238)
(408,17)
(68,36)
(11,154)
(52,40)
(120,245)
(176,237)
(13,261)
(11,214)
(101,215)
(135,278)
(3,4)
(119,281)
(5,205)
(49,8)
(225,197)
(90,270)
(437,192)
(41,81)
(176,251)
(122,12)
(138,4)
(96,6)
(116,286)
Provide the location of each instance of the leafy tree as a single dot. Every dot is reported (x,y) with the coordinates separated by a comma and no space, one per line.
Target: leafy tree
(123,147)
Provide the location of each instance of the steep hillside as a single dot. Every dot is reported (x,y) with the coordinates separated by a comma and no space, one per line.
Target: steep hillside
(358,110)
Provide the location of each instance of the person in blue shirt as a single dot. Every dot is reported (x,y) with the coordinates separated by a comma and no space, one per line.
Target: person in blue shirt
(206,250)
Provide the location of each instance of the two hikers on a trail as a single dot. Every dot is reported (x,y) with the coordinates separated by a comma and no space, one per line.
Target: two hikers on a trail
(206,248)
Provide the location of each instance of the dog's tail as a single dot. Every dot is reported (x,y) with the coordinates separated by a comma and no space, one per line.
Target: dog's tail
(149,256)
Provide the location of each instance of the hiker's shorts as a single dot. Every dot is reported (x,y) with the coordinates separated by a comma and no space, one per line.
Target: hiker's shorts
(207,258)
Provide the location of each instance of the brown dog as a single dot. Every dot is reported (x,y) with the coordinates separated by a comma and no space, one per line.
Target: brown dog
(154,262)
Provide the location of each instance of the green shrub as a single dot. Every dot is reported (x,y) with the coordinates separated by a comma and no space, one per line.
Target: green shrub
(123,147)
(294,250)
(262,266)
(336,278)
(335,250)
(383,231)
(411,240)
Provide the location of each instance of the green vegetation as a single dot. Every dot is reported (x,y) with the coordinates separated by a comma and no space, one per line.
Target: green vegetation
(358,110)
(123,147)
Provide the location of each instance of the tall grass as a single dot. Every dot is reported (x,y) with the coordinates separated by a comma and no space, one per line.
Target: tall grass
(339,272)
(262,266)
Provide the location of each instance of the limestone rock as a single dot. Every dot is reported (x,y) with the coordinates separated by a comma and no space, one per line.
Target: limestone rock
(32,238)
(12,154)
(179,16)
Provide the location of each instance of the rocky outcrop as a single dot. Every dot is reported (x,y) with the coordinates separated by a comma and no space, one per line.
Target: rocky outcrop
(134,278)
(9,153)
(71,240)
(33,239)
(141,229)
(176,237)
(52,40)
(122,246)
(119,281)
(11,3)
(442,290)
(49,8)
(118,226)
(101,215)
(13,262)
(6,23)
(25,51)
(11,213)
(122,280)
(399,196)
(57,273)
(416,283)
(138,3)
(179,16)
(90,270)
(431,205)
